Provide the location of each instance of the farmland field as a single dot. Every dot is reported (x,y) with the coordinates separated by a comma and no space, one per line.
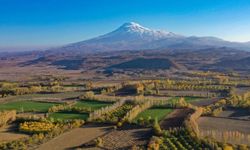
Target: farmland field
(27,106)
(53,96)
(224,124)
(184,93)
(92,104)
(7,134)
(220,129)
(188,98)
(123,139)
(154,112)
(68,115)
(175,118)
(242,114)
(75,137)
(205,102)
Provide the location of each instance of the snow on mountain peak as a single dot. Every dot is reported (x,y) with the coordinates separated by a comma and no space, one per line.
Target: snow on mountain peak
(137,29)
(131,32)
(133,36)
(133,27)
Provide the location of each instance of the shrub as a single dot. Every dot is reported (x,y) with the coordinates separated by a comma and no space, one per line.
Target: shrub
(87,95)
(37,127)
(6,117)
(157,128)
(99,142)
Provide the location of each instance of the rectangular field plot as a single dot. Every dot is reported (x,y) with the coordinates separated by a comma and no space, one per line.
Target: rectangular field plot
(225,129)
(92,104)
(26,106)
(154,112)
(224,124)
(68,116)
(52,96)
(188,98)
(241,114)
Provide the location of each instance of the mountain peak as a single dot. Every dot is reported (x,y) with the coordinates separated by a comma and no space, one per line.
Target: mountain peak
(132,32)
(133,36)
(133,27)
(131,24)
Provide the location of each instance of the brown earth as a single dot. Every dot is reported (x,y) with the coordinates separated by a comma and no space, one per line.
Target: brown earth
(233,131)
(75,138)
(234,113)
(8,133)
(224,124)
(126,138)
(206,102)
(175,118)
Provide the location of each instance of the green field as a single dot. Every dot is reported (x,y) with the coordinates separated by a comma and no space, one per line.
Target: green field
(27,106)
(92,104)
(154,112)
(191,99)
(68,116)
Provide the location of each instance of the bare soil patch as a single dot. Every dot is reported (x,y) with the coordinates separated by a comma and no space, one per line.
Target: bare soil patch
(75,138)
(183,93)
(126,138)
(234,113)
(224,124)
(175,119)
(206,102)
(8,133)
(233,131)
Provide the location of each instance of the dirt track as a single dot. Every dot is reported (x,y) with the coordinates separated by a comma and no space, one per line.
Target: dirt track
(74,138)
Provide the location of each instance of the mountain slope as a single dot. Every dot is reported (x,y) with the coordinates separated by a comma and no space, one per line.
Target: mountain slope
(240,64)
(126,37)
(132,36)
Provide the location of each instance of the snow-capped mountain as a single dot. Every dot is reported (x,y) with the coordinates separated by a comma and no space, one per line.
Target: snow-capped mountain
(133,31)
(133,36)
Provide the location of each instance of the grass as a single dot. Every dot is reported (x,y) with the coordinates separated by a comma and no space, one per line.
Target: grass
(191,99)
(27,106)
(68,115)
(154,112)
(92,104)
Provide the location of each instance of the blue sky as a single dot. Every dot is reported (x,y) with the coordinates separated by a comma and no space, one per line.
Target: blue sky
(28,24)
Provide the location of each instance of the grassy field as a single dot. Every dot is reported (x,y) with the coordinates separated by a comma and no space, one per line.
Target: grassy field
(154,112)
(68,116)
(92,104)
(27,106)
(191,99)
